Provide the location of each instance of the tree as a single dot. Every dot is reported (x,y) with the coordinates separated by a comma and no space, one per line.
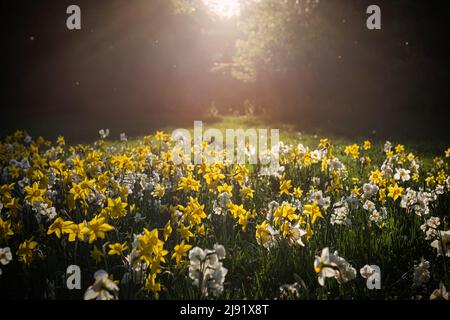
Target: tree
(269,33)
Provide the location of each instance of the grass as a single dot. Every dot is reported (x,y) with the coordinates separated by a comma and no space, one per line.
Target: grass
(291,134)
(392,248)
(253,271)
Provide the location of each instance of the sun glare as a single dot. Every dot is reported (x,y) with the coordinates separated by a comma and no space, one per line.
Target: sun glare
(224,8)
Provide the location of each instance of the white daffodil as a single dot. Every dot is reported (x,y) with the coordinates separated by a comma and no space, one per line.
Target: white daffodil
(323,267)
(369,205)
(440,294)
(366,271)
(207,271)
(370,190)
(220,251)
(104,133)
(295,235)
(442,243)
(430,228)
(5,256)
(103,288)
(387,146)
(345,272)
(332,265)
(340,215)
(402,174)
(353,201)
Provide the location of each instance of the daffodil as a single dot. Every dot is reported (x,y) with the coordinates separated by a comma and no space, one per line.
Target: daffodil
(34,193)
(395,191)
(5,229)
(265,235)
(159,191)
(26,251)
(226,188)
(188,184)
(150,249)
(167,230)
(77,192)
(60,141)
(5,256)
(58,166)
(447,153)
(74,231)
(185,232)
(116,208)
(96,254)
(237,210)
(285,211)
(313,211)
(329,265)
(352,150)
(161,136)
(103,288)
(14,171)
(376,177)
(399,148)
(59,226)
(285,186)
(298,193)
(153,286)
(194,211)
(180,251)
(247,192)
(442,243)
(96,228)
(117,248)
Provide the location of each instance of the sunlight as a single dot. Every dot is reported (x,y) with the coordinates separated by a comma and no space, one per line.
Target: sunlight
(224,8)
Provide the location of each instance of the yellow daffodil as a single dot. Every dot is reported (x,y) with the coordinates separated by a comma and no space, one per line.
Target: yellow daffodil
(352,150)
(94,229)
(263,235)
(117,248)
(395,191)
(180,251)
(247,192)
(34,193)
(297,193)
(59,226)
(96,254)
(159,191)
(188,184)
(376,177)
(26,251)
(447,153)
(226,188)
(167,230)
(313,211)
(399,148)
(185,232)
(285,186)
(116,208)
(5,230)
(152,286)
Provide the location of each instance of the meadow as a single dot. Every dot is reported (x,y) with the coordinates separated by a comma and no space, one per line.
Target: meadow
(337,214)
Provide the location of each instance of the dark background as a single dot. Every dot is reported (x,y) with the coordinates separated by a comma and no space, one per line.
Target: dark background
(135,67)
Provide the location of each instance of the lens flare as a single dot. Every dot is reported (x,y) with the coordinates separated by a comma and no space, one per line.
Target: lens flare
(224,8)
